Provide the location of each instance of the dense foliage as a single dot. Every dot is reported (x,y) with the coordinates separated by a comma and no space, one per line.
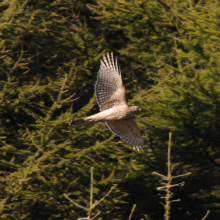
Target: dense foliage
(170,60)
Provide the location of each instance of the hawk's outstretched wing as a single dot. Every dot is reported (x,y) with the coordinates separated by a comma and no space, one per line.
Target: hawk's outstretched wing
(109,87)
(128,131)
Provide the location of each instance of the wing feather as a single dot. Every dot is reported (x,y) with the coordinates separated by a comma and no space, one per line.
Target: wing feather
(109,86)
(128,131)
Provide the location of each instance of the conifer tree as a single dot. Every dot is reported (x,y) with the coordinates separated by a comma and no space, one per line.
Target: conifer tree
(171,49)
(50,52)
(45,68)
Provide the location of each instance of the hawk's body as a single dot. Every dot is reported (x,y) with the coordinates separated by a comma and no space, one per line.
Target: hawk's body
(110,95)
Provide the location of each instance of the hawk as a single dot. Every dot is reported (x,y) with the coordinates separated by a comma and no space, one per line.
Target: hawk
(114,110)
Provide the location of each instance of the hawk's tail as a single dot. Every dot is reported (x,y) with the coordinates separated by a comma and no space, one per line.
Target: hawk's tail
(79,122)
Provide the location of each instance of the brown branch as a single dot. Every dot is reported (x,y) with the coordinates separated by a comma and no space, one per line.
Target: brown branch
(76,204)
(132,211)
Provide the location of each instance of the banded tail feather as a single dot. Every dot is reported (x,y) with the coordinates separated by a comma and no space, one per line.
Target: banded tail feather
(79,122)
(87,120)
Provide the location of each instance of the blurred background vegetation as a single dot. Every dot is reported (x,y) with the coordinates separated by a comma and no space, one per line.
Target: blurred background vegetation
(50,51)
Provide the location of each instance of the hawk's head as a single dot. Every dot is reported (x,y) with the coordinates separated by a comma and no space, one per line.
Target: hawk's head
(135,109)
(138,109)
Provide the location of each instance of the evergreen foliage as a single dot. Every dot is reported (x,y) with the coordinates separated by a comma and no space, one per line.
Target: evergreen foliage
(50,54)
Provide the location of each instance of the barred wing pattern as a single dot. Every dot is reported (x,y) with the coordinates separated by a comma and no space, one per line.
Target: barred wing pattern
(128,131)
(110,96)
(109,87)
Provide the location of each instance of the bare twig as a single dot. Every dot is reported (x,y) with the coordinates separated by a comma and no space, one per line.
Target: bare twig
(160,175)
(181,175)
(169,179)
(96,203)
(207,213)
(91,194)
(167,185)
(132,211)
(96,215)
(91,204)
(76,204)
